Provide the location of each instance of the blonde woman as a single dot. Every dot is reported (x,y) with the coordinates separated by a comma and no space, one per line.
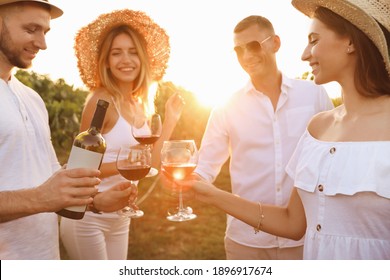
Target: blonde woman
(119,55)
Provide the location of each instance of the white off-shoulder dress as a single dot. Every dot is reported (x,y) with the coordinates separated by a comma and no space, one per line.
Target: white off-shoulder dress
(345,190)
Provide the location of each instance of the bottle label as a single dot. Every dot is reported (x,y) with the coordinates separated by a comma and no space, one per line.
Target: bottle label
(80,158)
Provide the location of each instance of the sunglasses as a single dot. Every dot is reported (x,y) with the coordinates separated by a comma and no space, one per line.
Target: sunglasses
(252,47)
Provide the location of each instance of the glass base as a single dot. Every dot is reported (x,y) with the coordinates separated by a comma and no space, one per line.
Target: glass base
(181,217)
(130,213)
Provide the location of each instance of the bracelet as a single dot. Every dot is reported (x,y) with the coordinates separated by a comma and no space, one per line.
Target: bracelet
(91,207)
(257,229)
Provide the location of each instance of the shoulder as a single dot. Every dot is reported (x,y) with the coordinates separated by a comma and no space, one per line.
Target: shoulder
(321,122)
(90,107)
(29,95)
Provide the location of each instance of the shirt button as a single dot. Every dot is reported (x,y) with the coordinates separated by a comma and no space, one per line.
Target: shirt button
(332,150)
(318,227)
(320,188)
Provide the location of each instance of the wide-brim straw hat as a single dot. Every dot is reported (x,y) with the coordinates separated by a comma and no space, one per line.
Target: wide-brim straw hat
(55,12)
(89,39)
(364,14)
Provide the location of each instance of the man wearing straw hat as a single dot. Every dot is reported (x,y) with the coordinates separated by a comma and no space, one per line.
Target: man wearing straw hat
(29,191)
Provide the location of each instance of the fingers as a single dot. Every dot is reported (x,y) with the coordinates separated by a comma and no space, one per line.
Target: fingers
(83,172)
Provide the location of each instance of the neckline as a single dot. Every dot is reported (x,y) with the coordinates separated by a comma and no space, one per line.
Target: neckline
(343,142)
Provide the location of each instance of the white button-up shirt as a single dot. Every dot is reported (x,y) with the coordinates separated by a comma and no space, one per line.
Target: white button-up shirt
(27,160)
(259,141)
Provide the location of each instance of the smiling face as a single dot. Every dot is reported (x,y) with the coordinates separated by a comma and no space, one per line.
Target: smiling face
(123,59)
(257,62)
(22,34)
(330,55)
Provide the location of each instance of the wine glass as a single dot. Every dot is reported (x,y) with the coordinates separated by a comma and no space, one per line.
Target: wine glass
(179,159)
(133,163)
(147,131)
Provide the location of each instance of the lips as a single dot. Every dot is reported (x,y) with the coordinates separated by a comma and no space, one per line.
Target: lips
(31,54)
(314,67)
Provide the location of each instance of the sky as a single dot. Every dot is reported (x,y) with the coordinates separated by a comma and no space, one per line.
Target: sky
(201,37)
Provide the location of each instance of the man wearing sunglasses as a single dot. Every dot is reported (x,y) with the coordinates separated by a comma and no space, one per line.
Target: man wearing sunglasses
(258,128)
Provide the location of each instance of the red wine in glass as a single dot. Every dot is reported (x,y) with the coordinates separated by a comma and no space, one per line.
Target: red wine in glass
(146,139)
(134,173)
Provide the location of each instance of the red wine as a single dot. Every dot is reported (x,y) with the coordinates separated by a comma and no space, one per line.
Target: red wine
(179,171)
(146,139)
(87,151)
(134,173)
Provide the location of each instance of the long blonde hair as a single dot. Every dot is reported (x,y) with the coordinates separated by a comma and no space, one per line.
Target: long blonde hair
(142,82)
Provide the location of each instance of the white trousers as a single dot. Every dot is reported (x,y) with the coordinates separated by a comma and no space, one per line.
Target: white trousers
(96,237)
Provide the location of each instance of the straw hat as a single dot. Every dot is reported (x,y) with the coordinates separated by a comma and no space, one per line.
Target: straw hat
(55,12)
(364,14)
(89,39)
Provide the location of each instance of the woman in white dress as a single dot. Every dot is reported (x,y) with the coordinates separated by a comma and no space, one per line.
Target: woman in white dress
(341,166)
(119,55)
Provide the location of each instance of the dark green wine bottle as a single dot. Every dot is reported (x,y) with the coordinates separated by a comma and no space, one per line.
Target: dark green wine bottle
(87,151)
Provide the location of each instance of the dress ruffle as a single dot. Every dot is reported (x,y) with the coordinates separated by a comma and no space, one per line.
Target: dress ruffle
(343,167)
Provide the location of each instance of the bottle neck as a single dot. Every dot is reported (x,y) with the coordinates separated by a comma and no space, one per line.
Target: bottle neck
(98,118)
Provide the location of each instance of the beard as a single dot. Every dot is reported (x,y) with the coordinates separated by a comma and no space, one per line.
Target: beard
(7,50)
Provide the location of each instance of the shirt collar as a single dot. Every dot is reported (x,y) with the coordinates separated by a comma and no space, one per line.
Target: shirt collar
(286,85)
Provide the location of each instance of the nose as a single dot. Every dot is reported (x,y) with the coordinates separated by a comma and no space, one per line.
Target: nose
(306,53)
(40,41)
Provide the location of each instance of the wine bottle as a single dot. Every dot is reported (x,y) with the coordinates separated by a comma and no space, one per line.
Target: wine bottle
(87,151)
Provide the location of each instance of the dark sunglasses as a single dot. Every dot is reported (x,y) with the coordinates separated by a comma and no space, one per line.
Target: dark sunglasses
(253,46)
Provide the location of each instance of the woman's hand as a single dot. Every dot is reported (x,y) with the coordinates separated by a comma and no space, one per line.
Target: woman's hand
(174,107)
(116,198)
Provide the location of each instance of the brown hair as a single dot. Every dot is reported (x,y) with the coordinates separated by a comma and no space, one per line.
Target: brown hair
(371,77)
(262,22)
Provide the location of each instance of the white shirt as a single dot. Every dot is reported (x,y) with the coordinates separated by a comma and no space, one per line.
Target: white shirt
(27,159)
(345,190)
(259,142)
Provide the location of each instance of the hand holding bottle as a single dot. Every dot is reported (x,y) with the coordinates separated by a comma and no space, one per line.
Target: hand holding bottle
(67,187)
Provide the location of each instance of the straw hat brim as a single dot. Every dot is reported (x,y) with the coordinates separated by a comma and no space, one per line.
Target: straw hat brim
(89,39)
(364,14)
(55,12)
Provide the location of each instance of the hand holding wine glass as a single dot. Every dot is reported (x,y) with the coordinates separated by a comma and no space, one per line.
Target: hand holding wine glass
(133,163)
(179,159)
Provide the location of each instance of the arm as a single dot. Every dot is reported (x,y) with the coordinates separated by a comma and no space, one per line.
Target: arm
(61,190)
(288,222)
(214,150)
(173,110)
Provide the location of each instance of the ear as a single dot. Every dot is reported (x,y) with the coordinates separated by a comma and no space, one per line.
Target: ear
(350,48)
(277,43)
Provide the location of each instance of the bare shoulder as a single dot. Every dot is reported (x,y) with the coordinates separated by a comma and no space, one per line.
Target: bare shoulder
(321,122)
(90,106)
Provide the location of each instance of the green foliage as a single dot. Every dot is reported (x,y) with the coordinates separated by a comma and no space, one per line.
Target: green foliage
(337,101)
(64,105)
(194,117)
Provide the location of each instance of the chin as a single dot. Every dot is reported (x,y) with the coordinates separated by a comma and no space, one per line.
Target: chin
(320,80)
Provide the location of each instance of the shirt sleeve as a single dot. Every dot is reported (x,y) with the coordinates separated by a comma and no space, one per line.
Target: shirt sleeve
(214,150)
